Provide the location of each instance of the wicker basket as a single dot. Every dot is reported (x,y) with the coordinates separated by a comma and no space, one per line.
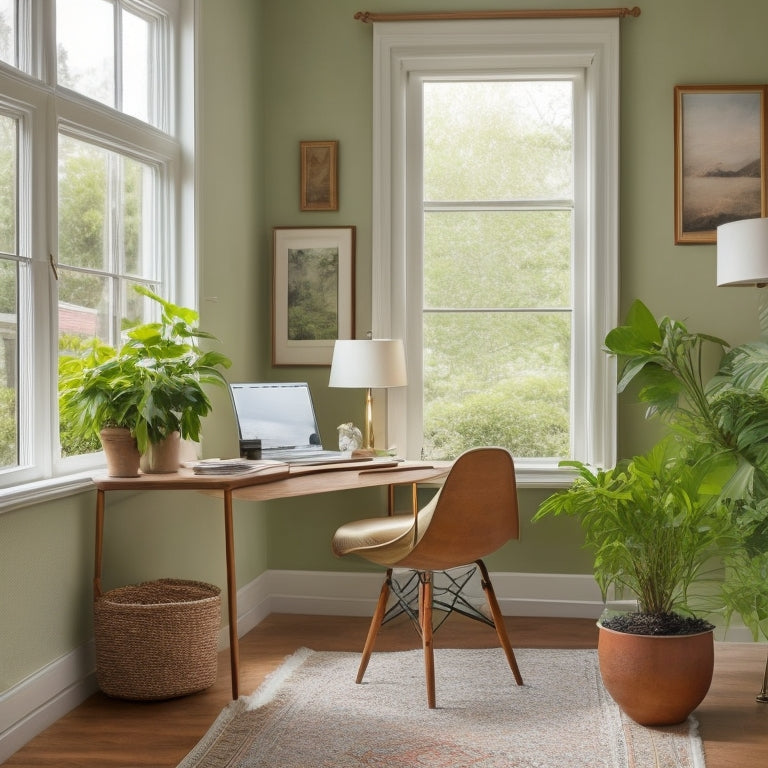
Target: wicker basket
(158,639)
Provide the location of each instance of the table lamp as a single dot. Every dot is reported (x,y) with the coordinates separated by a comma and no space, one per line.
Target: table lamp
(368,364)
(742,252)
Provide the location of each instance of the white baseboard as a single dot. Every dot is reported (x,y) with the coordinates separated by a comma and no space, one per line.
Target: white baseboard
(355,594)
(38,701)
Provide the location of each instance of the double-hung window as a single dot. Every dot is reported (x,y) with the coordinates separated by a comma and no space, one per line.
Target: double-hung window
(494,236)
(93,138)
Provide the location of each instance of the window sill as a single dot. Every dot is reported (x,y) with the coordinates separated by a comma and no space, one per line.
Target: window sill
(543,476)
(41,491)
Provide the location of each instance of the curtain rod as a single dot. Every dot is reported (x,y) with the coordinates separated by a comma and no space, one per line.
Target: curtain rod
(368,17)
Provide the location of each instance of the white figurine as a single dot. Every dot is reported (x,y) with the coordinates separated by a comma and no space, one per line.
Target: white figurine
(350,437)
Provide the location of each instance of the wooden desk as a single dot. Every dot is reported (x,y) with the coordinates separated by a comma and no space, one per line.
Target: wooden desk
(277,483)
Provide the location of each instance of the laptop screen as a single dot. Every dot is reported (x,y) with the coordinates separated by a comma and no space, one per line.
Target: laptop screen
(280,415)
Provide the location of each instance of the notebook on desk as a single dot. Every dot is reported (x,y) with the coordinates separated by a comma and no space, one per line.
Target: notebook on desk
(278,419)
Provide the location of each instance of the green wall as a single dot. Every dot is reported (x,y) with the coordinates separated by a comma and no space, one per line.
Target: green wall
(273,73)
(318,86)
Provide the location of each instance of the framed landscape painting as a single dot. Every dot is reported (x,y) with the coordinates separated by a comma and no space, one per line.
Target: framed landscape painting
(313,297)
(720,173)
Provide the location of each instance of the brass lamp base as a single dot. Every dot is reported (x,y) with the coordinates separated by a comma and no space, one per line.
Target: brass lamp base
(363,453)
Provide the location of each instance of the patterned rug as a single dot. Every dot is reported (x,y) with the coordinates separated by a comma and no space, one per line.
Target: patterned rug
(311,714)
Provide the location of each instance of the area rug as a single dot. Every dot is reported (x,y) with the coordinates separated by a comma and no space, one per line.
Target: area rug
(310,713)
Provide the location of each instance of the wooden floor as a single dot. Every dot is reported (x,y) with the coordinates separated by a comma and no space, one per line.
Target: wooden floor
(106,732)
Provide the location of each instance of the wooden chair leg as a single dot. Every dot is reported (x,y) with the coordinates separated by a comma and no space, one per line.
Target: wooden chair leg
(498,621)
(425,616)
(376,621)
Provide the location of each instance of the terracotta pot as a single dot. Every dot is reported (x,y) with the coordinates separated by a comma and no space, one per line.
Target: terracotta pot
(120,451)
(162,457)
(656,679)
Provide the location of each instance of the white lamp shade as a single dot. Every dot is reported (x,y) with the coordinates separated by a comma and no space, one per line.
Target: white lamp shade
(368,363)
(742,252)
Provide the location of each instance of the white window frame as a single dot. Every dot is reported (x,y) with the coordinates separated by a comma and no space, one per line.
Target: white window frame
(404,54)
(31,93)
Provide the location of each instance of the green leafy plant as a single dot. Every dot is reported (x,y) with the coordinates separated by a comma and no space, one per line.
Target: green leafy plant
(153,384)
(665,360)
(654,524)
(720,423)
(710,487)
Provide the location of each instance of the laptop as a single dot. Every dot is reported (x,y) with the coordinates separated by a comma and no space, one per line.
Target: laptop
(276,421)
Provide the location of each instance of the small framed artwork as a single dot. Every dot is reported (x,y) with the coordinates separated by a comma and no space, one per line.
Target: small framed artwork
(720,158)
(313,299)
(319,175)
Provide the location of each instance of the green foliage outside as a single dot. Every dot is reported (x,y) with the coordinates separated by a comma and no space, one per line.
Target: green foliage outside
(7,427)
(497,282)
(529,418)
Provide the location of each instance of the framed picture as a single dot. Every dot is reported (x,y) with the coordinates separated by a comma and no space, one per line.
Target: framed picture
(319,175)
(720,162)
(313,299)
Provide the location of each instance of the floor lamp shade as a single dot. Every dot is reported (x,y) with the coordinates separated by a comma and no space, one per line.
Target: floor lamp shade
(742,252)
(368,364)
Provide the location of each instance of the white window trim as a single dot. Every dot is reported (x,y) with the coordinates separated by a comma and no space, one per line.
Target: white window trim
(39,477)
(402,50)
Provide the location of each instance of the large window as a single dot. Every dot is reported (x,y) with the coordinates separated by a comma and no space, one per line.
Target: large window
(495,220)
(91,202)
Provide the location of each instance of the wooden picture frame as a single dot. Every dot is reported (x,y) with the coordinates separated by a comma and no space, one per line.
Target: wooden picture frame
(313,296)
(319,175)
(720,158)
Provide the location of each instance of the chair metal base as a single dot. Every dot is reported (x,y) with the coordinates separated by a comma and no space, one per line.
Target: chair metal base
(423,618)
(447,597)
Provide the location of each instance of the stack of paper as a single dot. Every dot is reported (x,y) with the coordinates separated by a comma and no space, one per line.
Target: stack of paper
(232,466)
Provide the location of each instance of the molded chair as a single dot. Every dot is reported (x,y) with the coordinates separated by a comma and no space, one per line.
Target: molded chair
(471,516)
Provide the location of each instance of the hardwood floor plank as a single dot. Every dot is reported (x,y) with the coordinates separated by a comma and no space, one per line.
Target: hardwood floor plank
(110,733)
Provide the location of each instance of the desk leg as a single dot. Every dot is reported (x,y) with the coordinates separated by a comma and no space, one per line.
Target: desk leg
(99,543)
(234,643)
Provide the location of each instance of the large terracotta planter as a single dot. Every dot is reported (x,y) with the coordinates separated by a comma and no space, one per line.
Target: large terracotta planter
(656,679)
(162,457)
(120,452)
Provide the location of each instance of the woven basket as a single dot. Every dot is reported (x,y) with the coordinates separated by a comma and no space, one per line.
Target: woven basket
(158,639)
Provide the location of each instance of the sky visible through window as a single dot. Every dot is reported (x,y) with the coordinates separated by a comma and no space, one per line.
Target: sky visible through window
(86,54)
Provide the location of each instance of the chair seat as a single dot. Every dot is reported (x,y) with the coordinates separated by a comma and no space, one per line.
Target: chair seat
(382,540)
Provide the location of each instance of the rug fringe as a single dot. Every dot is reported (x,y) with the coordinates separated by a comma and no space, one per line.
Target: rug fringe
(267,690)
(697,745)
(263,695)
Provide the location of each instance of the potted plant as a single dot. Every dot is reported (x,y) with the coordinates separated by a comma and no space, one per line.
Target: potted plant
(99,396)
(725,416)
(151,386)
(686,514)
(654,525)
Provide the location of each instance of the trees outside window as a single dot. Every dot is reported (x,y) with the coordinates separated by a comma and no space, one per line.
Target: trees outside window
(498,233)
(495,236)
(87,216)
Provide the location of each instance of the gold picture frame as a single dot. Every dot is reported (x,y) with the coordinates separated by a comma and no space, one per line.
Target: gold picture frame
(313,293)
(720,158)
(319,175)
